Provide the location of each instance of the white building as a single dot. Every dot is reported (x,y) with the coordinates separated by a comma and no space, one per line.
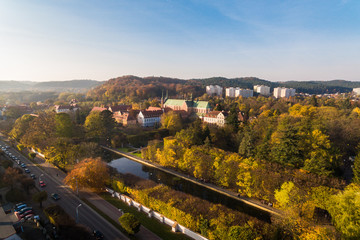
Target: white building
(262,89)
(243,92)
(214,90)
(284,92)
(230,92)
(216,118)
(356,91)
(149,118)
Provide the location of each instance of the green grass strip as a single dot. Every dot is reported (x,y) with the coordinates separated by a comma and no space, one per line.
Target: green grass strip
(160,229)
(110,220)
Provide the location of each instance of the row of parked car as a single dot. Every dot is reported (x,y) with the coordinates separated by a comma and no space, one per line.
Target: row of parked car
(24,212)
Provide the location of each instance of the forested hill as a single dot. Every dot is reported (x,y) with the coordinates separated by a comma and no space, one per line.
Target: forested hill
(143,88)
(245,82)
(149,87)
(53,86)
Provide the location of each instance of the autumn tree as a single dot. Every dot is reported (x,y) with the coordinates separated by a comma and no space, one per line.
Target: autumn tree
(129,222)
(89,173)
(171,121)
(21,126)
(40,197)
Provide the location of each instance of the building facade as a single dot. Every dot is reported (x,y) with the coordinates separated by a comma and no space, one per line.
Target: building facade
(281,92)
(149,118)
(262,89)
(214,90)
(217,118)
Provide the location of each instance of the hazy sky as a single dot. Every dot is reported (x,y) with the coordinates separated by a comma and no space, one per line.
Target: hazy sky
(277,40)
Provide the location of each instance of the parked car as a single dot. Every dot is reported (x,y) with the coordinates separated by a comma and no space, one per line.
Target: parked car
(24,210)
(23,165)
(27,170)
(18,208)
(28,216)
(42,184)
(26,213)
(98,235)
(18,204)
(55,196)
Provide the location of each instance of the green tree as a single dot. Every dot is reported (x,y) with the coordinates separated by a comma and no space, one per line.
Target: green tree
(21,126)
(129,222)
(40,197)
(344,210)
(32,155)
(100,125)
(356,170)
(319,155)
(20,147)
(245,232)
(64,125)
(288,195)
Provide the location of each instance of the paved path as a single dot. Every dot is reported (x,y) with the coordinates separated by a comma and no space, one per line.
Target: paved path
(246,200)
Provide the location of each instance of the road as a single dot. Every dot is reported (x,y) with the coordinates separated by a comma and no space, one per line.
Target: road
(69,201)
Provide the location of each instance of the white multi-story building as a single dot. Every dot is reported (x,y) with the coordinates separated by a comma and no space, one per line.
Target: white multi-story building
(356,91)
(243,92)
(284,92)
(214,90)
(230,92)
(237,92)
(262,89)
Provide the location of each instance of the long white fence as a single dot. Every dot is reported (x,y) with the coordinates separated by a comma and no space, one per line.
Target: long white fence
(175,227)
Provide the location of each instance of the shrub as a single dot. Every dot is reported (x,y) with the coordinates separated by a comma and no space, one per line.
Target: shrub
(129,222)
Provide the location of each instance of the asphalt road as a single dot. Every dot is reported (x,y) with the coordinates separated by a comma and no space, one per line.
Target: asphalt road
(69,201)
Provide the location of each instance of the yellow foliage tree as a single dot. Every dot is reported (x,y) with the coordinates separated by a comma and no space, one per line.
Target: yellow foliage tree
(89,173)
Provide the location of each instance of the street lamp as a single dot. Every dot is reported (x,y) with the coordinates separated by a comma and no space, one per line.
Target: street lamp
(77,212)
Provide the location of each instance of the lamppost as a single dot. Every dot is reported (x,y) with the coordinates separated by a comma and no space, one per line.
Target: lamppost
(77,212)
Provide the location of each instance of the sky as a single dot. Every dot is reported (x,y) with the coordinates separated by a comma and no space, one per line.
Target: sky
(276,40)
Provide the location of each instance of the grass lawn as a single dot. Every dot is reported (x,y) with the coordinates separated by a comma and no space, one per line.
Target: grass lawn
(162,230)
(126,149)
(138,154)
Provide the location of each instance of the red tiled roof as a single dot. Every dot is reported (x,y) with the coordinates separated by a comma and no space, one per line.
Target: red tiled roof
(120,108)
(98,109)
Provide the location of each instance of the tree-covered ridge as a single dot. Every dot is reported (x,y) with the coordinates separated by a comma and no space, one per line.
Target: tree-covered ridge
(135,88)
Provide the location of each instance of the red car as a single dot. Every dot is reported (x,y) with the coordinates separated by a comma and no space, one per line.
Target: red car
(26,213)
(42,184)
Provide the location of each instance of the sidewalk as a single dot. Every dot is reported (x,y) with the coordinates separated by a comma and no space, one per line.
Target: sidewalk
(96,200)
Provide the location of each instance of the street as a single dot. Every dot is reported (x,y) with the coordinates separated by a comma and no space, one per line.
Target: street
(68,201)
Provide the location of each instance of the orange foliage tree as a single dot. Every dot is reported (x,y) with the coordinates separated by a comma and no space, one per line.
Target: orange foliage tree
(89,173)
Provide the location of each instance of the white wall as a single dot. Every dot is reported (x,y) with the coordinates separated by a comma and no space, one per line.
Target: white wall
(173,224)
